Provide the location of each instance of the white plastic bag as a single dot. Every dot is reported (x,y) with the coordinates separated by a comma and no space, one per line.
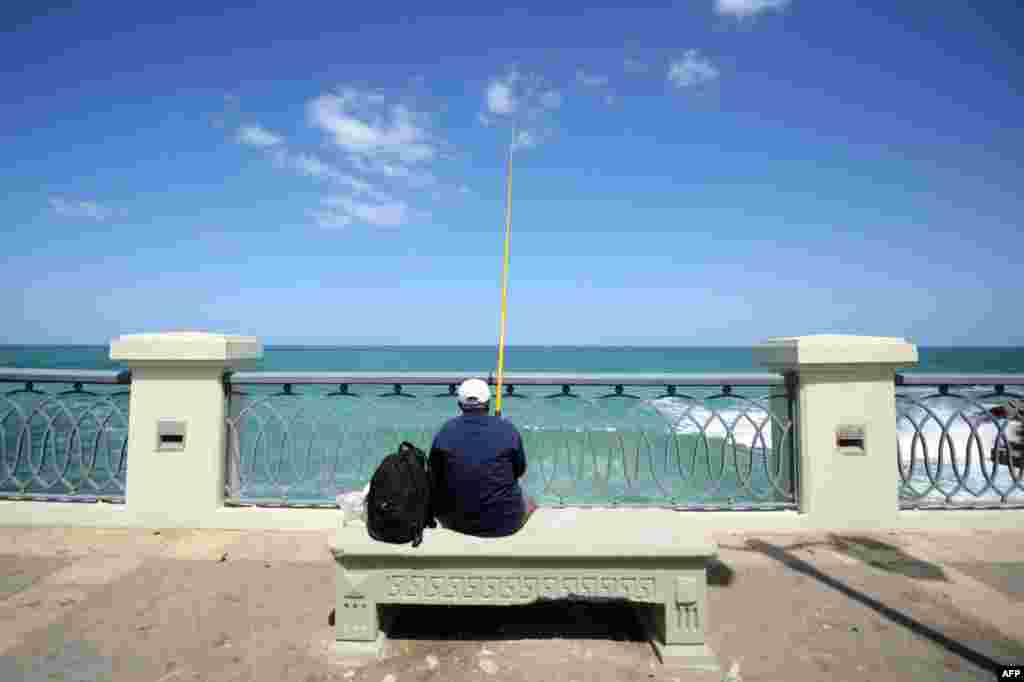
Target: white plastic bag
(353,505)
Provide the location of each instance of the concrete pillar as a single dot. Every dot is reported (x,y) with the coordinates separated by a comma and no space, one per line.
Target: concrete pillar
(176,428)
(846,424)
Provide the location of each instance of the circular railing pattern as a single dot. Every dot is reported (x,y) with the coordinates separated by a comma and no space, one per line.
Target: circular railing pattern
(952,452)
(63,444)
(585,445)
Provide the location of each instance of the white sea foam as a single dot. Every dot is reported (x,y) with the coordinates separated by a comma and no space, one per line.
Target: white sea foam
(750,427)
(929,457)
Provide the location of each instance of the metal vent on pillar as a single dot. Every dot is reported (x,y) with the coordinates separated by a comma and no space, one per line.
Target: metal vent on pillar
(170,435)
(850,439)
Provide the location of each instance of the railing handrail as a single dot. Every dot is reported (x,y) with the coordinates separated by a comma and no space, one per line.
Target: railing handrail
(65,376)
(514,378)
(959,379)
(123,376)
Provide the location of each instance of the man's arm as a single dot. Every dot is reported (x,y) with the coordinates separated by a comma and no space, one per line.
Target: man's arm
(519,458)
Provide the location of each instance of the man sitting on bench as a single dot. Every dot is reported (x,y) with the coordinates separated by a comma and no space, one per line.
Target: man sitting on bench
(475,463)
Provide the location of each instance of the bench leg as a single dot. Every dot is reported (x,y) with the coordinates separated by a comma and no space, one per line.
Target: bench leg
(680,654)
(357,631)
(678,627)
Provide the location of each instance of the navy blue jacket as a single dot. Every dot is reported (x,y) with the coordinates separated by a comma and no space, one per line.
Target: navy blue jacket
(475,461)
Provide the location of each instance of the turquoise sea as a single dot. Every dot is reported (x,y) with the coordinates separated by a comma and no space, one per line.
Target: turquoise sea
(308,447)
(518,359)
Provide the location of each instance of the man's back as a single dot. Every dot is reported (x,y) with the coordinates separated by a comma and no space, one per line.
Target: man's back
(475,461)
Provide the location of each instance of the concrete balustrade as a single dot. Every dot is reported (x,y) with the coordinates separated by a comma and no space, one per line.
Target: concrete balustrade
(176,477)
(845,441)
(846,424)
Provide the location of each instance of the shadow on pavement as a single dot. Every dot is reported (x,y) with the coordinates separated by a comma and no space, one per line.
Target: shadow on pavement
(886,557)
(561,619)
(801,566)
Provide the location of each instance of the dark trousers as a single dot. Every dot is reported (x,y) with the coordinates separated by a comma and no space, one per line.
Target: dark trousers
(529,503)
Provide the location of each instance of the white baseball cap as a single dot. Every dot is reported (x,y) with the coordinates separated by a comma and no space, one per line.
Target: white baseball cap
(473,392)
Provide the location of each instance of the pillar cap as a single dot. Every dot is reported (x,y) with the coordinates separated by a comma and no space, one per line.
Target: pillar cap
(185,346)
(835,349)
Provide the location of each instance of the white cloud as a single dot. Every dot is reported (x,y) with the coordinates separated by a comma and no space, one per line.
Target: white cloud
(257,136)
(692,69)
(386,145)
(748,8)
(527,99)
(313,166)
(330,219)
(416,177)
(500,99)
(384,140)
(526,139)
(591,80)
(384,214)
(360,123)
(76,208)
(523,96)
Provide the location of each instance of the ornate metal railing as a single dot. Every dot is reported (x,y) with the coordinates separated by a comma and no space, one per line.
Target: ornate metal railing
(952,452)
(686,441)
(68,442)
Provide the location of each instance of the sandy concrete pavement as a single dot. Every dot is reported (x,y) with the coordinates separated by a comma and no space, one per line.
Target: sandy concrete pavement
(162,606)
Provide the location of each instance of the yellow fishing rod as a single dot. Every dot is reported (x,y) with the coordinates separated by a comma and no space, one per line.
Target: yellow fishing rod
(504,278)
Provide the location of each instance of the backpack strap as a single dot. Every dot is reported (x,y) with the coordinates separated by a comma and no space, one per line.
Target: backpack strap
(415,452)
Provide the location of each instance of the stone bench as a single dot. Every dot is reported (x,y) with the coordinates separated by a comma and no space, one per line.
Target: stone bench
(650,557)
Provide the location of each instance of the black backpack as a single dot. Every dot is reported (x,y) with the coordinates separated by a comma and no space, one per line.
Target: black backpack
(398,503)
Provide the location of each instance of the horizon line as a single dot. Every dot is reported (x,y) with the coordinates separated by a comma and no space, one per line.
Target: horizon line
(360,346)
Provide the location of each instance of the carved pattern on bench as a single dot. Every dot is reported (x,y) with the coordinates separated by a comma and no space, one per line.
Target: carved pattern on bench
(353,583)
(687,613)
(455,588)
(688,619)
(357,618)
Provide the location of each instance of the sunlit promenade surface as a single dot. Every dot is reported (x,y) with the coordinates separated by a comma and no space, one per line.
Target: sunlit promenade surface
(89,604)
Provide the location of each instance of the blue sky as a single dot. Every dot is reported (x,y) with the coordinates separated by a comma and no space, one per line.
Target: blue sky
(692,173)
